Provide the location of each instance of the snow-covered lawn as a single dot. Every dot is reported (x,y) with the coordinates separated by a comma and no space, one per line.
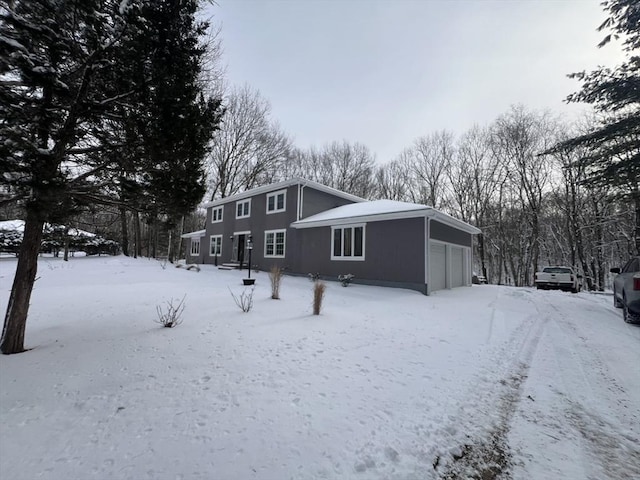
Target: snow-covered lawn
(385,384)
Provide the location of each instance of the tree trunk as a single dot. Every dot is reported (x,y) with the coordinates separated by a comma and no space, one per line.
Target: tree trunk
(170,253)
(15,320)
(66,244)
(179,240)
(125,231)
(481,253)
(138,249)
(636,199)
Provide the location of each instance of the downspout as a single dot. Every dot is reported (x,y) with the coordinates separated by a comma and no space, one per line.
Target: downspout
(298,208)
(300,199)
(427,251)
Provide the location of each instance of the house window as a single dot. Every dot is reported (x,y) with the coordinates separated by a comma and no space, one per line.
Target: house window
(216,214)
(195,247)
(276,201)
(274,243)
(347,243)
(215,246)
(243,208)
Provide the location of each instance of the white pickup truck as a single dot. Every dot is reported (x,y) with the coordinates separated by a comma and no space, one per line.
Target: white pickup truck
(562,278)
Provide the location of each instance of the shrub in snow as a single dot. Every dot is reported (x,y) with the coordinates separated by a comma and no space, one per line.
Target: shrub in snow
(314,277)
(318,295)
(10,241)
(275,275)
(54,239)
(171,317)
(346,279)
(245,300)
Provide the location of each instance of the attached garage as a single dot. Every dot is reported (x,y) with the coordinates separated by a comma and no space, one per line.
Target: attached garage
(457,267)
(438,266)
(449,247)
(401,245)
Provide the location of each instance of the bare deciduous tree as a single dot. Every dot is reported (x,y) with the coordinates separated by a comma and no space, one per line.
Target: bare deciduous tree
(346,166)
(433,155)
(248,148)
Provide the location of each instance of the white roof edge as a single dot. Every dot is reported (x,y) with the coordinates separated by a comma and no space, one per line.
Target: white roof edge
(280,185)
(197,233)
(377,217)
(424,212)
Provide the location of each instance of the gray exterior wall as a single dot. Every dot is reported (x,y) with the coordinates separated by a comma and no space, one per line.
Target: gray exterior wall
(186,243)
(315,201)
(394,254)
(445,233)
(257,223)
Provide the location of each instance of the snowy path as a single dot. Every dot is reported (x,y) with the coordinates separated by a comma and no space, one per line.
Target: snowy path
(385,384)
(585,380)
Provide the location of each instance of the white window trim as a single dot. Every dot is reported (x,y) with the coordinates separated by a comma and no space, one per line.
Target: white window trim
(211,244)
(284,243)
(351,258)
(275,203)
(195,251)
(243,202)
(219,209)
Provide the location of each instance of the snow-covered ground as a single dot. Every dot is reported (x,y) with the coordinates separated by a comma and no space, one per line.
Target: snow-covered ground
(385,384)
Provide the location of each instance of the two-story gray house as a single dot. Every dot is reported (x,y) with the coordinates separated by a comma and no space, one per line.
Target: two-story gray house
(306,227)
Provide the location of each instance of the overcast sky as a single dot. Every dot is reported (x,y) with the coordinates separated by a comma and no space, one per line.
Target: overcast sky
(386,72)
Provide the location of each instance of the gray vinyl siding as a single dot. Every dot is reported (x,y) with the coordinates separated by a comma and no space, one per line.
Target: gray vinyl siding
(445,233)
(315,201)
(394,254)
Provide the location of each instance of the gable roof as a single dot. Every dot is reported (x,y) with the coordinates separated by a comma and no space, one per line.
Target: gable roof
(379,210)
(279,186)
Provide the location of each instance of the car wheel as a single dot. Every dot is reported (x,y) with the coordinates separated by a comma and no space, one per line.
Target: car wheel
(616,302)
(625,310)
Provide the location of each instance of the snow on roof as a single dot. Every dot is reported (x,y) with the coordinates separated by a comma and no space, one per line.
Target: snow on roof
(378,210)
(196,234)
(364,209)
(17,225)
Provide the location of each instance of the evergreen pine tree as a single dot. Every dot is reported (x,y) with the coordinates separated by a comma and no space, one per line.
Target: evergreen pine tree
(70,78)
(613,148)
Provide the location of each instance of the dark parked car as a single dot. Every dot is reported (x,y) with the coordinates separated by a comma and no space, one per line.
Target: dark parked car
(626,290)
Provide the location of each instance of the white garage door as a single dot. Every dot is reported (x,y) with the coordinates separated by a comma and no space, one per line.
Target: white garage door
(437,266)
(457,268)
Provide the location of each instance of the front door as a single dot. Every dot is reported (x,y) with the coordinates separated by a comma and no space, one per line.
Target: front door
(240,239)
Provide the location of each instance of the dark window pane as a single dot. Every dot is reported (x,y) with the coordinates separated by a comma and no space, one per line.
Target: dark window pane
(347,241)
(269,244)
(281,201)
(357,242)
(271,205)
(337,242)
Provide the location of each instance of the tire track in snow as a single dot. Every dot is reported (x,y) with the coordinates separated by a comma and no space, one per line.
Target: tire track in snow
(485,453)
(611,453)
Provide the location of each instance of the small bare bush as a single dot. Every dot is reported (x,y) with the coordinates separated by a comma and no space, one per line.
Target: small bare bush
(275,275)
(172,315)
(318,295)
(245,300)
